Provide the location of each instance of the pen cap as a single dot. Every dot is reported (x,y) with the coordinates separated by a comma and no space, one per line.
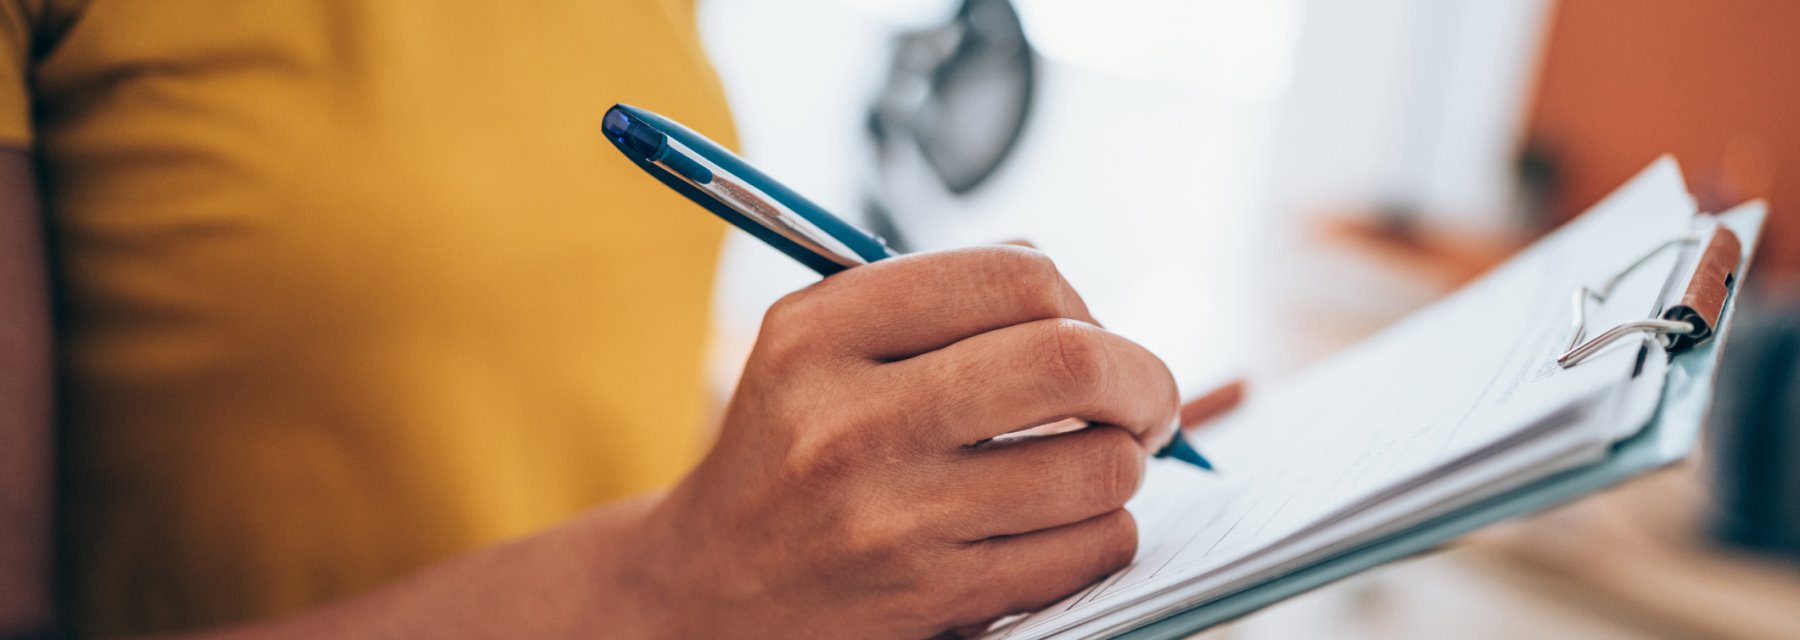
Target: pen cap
(620,127)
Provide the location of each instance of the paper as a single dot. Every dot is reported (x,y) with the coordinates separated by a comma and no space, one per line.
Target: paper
(1455,403)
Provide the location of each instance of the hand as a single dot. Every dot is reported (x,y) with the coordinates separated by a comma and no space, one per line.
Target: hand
(1194,413)
(843,498)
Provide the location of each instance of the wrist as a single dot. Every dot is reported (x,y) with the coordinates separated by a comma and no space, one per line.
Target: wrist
(627,571)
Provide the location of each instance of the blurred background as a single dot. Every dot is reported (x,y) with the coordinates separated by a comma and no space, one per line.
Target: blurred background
(1245,186)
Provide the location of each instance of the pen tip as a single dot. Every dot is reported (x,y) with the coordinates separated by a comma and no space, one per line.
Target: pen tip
(1179,449)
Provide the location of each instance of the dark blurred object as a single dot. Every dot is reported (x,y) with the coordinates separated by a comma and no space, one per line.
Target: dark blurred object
(959,92)
(956,100)
(1537,182)
(1624,81)
(1756,434)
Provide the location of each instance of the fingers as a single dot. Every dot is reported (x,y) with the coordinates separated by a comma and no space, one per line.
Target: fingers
(1044,567)
(1215,402)
(1030,374)
(969,630)
(905,306)
(1039,484)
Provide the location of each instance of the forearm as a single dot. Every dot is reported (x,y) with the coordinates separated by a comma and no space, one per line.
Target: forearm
(570,581)
(26,399)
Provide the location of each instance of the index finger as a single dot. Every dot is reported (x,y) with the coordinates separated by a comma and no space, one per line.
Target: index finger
(913,304)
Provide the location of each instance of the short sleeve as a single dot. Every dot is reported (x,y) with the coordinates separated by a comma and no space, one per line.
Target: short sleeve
(15,73)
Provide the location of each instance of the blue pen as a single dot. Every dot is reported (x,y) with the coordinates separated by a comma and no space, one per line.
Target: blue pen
(724,184)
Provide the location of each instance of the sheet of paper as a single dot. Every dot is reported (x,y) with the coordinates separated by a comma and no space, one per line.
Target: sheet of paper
(1536,458)
(1449,390)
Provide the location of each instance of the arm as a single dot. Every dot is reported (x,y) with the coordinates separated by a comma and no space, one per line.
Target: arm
(25,404)
(568,582)
(842,500)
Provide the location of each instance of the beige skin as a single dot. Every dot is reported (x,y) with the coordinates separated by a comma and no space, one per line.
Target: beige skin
(846,496)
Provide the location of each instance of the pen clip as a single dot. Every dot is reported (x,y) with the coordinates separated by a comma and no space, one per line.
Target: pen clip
(752,203)
(1706,281)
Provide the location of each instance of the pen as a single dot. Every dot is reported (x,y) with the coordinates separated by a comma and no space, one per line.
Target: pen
(726,185)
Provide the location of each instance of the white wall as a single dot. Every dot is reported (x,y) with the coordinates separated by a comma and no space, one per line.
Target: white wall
(1408,102)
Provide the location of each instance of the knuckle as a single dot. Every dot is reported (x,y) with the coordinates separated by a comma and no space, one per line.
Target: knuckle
(876,542)
(858,528)
(787,308)
(866,516)
(819,454)
(1034,279)
(887,542)
(1119,540)
(1117,470)
(1073,356)
(783,336)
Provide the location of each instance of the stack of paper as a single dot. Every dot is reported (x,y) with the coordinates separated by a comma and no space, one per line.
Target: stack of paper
(1457,403)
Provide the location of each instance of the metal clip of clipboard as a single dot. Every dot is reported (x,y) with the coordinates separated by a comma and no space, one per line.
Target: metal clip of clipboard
(1710,277)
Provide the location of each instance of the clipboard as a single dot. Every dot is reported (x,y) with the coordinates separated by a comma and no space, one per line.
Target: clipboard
(1672,433)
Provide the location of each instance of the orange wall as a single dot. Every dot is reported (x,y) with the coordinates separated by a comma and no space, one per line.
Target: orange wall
(1716,82)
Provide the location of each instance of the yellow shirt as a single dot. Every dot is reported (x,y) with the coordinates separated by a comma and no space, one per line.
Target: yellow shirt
(350,286)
